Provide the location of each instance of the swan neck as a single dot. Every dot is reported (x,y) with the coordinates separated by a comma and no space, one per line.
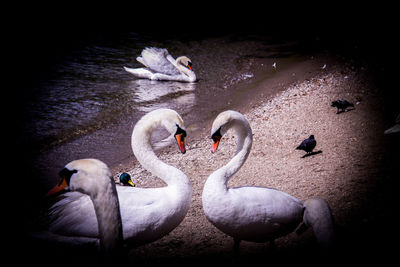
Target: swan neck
(169,174)
(144,153)
(108,215)
(172,60)
(243,147)
(185,71)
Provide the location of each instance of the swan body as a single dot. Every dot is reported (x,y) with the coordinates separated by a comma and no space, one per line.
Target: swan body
(92,178)
(147,213)
(160,65)
(252,213)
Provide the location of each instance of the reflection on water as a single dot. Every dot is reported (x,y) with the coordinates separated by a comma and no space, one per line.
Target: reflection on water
(147,90)
(150,95)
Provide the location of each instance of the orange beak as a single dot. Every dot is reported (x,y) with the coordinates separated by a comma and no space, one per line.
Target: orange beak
(215,146)
(190,67)
(62,185)
(180,139)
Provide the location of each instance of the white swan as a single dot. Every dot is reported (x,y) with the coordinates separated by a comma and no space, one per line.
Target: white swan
(253,213)
(147,213)
(92,178)
(160,65)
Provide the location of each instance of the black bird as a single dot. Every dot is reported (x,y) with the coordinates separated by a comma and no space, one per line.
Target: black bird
(125,179)
(341,104)
(308,145)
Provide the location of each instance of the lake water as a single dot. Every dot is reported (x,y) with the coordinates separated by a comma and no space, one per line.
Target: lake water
(87,105)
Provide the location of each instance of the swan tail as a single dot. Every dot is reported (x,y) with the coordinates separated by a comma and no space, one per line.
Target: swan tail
(318,216)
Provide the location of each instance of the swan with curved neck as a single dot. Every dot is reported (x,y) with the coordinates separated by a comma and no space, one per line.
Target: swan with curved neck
(92,178)
(160,65)
(253,213)
(147,213)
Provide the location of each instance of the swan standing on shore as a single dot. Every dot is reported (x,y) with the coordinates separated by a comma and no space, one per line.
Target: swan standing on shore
(92,178)
(147,213)
(253,213)
(160,65)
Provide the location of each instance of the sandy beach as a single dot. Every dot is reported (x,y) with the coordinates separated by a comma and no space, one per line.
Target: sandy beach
(354,172)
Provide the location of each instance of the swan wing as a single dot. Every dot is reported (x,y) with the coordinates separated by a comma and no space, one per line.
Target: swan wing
(47,236)
(156,60)
(158,213)
(74,215)
(147,74)
(267,204)
(256,213)
(140,72)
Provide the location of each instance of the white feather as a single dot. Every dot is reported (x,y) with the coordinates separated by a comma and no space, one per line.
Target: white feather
(160,65)
(147,213)
(252,213)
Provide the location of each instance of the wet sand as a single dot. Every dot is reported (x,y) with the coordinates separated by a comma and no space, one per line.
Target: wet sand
(353,172)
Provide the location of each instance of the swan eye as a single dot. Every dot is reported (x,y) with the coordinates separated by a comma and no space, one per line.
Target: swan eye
(179,130)
(189,65)
(66,174)
(217,135)
(65,178)
(180,139)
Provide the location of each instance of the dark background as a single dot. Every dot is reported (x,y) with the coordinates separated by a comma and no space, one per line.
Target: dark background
(39,36)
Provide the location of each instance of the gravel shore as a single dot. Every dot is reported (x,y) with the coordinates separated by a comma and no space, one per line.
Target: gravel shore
(348,172)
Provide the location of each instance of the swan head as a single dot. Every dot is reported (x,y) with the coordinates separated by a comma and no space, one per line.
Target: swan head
(125,179)
(184,61)
(166,118)
(225,121)
(88,176)
(173,123)
(180,135)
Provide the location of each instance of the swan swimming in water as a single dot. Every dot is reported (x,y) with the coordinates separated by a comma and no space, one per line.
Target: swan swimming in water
(160,65)
(254,213)
(93,179)
(147,213)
